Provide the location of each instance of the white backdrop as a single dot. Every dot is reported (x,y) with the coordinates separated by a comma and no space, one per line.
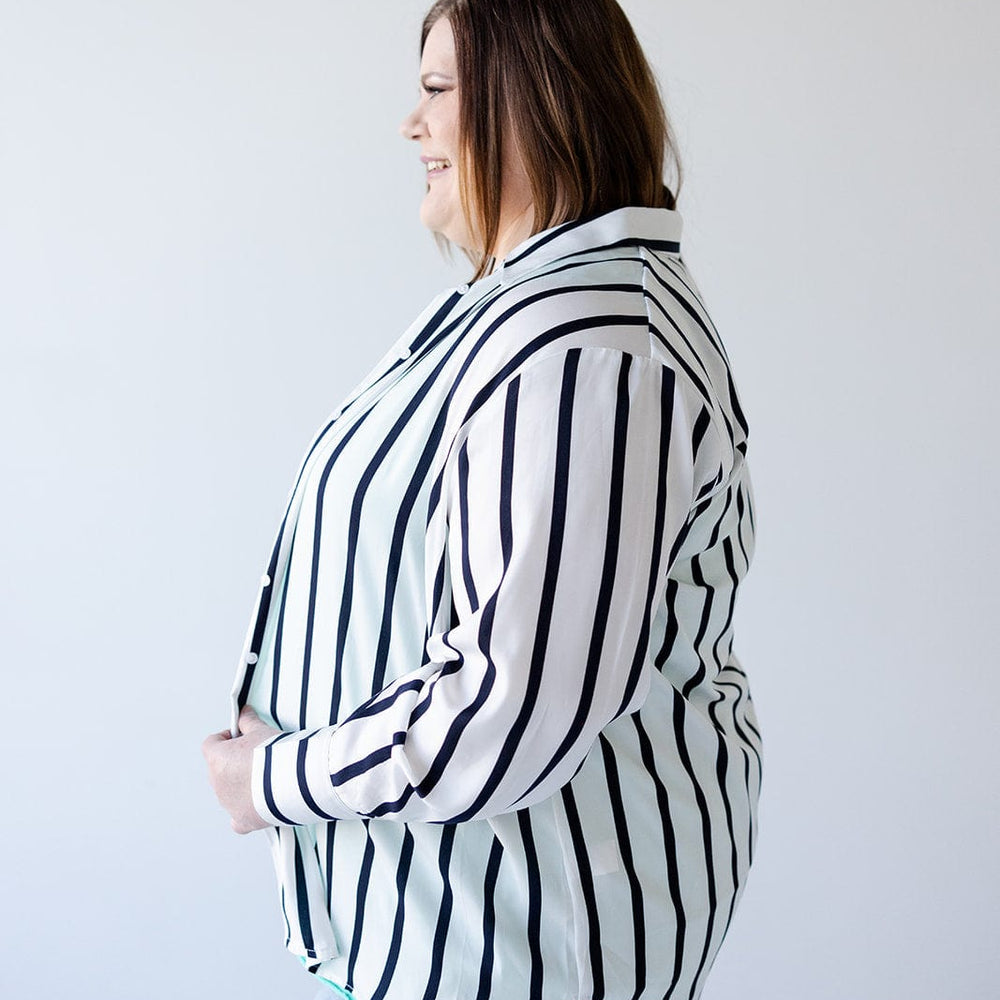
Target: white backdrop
(199,203)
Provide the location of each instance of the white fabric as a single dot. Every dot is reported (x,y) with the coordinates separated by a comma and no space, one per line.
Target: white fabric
(520,757)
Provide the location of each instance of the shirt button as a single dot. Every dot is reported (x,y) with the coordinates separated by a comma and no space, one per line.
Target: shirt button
(252,659)
(405,353)
(265,581)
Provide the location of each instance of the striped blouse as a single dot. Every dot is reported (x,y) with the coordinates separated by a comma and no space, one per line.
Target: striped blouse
(519,757)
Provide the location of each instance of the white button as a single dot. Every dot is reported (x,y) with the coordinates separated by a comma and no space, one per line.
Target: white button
(405,353)
(265,581)
(252,659)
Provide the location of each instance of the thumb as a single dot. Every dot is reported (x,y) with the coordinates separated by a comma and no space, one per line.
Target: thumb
(249,719)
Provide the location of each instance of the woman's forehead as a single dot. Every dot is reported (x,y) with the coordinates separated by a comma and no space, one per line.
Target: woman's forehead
(439,49)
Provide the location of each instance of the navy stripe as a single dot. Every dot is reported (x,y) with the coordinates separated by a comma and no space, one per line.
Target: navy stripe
(300,770)
(268,791)
(534,879)
(278,638)
(587,888)
(620,812)
(680,710)
(444,913)
(402,872)
(463,513)
(361,894)
(653,581)
(302,898)
(670,853)
(489,921)
(708,593)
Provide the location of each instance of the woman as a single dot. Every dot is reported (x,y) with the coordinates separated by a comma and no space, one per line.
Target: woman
(488,710)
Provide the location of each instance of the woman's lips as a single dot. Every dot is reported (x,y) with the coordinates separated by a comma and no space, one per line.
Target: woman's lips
(436,166)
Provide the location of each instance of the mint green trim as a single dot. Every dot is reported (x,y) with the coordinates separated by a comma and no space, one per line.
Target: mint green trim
(339,990)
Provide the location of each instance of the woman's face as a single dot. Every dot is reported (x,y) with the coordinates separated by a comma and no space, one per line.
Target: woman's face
(434,124)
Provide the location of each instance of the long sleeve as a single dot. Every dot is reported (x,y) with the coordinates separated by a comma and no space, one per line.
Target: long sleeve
(566,494)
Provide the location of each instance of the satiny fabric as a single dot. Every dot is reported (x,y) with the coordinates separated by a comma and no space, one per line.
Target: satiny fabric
(519,755)
(331,991)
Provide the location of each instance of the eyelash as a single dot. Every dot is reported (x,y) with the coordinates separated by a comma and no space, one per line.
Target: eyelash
(433,91)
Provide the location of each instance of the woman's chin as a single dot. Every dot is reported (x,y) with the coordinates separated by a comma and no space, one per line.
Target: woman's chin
(458,239)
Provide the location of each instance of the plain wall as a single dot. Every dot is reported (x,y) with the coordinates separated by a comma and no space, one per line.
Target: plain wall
(201,202)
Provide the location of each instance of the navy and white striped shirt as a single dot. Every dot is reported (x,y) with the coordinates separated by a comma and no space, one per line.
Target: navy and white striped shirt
(519,756)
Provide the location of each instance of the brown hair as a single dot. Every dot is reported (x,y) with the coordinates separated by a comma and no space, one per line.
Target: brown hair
(569,83)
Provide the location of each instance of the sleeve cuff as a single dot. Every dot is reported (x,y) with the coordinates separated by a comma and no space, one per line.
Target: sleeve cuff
(290,780)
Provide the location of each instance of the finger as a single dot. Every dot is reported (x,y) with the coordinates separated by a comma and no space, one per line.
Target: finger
(248,719)
(209,741)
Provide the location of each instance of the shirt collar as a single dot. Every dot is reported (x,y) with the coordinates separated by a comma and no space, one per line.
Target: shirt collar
(632,225)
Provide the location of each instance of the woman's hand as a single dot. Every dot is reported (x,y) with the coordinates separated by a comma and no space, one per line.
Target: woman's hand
(229,767)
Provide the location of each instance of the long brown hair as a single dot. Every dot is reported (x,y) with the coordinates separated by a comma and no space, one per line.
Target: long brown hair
(568,82)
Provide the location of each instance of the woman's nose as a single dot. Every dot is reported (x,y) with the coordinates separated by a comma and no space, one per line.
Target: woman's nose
(412,126)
